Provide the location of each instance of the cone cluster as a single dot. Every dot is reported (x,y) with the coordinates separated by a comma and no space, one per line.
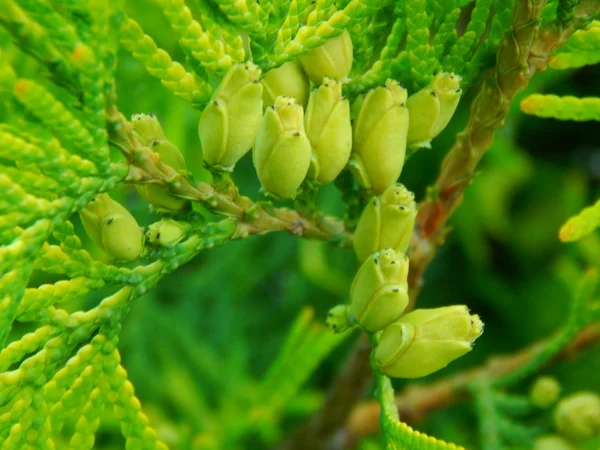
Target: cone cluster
(297,135)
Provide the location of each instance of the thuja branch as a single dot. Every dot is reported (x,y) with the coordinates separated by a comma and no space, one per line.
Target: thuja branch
(252,217)
(417,401)
(523,51)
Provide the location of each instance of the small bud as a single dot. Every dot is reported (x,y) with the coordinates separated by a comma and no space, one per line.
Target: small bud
(552,442)
(431,109)
(386,222)
(544,392)
(147,128)
(289,80)
(329,131)
(160,196)
(379,292)
(282,152)
(577,416)
(338,318)
(380,137)
(112,228)
(166,232)
(229,123)
(333,59)
(426,340)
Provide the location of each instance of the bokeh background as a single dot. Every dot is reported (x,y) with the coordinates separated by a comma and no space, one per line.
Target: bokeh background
(196,347)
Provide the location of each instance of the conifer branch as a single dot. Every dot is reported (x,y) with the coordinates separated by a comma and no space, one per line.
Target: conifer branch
(524,50)
(56,158)
(252,218)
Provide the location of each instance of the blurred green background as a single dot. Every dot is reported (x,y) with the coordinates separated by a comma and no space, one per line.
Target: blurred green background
(196,347)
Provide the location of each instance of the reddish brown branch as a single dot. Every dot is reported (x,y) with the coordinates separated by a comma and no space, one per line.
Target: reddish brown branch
(520,55)
(417,401)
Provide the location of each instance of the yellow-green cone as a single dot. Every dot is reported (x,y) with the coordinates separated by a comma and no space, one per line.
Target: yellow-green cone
(166,232)
(332,59)
(379,292)
(329,131)
(147,128)
(289,80)
(379,142)
(160,196)
(426,340)
(122,237)
(282,152)
(431,109)
(112,228)
(577,416)
(386,222)
(229,123)
(338,318)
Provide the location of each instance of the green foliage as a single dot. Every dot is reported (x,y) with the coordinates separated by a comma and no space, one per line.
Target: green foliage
(398,434)
(582,224)
(498,410)
(215,354)
(562,108)
(580,50)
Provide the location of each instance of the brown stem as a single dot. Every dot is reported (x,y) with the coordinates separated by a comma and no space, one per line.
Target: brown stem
(417,401)
(520,54)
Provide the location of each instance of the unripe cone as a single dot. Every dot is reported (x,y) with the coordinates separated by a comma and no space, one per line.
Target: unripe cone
(379,142)
(426,340)
(329,131)
(147,128)
(577,416)
(229,123)
(386,222)
(289,80)
(431,109)
(159,195)
(333,59)
(112,228)
(282,152)
(122,237)
(379,292)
